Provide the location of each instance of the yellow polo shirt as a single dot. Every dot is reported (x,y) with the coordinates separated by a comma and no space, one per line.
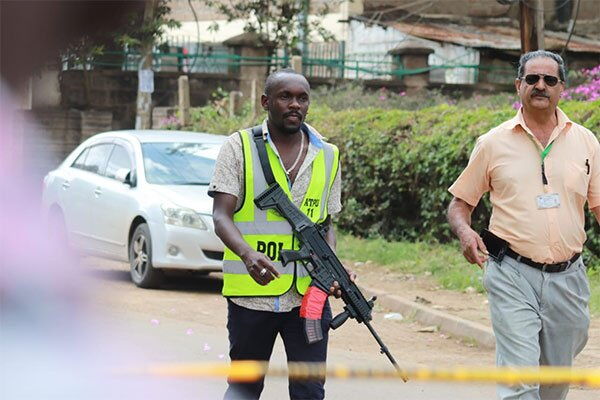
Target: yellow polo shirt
(506,162)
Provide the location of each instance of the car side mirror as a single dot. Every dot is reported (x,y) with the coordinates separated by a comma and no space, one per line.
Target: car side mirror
(123,175)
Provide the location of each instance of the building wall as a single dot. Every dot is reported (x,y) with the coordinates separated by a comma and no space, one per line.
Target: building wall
(588,21)
(372,42)
(181,11)
(45,88)
(207,17)
(50,134)
(588,9)
(117,91)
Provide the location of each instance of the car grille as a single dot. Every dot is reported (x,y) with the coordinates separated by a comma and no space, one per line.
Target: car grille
(215,255)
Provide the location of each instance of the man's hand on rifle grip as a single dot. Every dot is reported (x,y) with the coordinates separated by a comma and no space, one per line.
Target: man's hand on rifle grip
(335,290)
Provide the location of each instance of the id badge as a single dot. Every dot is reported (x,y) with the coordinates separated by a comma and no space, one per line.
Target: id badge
(545,201)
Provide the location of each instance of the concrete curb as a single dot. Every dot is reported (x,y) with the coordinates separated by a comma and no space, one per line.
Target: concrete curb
(451,324)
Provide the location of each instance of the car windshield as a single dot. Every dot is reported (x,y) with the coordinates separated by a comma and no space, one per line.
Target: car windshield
(179,163)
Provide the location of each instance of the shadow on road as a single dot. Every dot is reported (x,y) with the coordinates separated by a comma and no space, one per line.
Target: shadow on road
(109,275)
(177,281)
(185,282)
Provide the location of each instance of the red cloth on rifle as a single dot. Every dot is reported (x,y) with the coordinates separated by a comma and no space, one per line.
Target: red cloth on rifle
(313,303)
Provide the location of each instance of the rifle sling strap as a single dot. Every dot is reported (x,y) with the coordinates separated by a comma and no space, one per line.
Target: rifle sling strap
(261,146)
(257,135)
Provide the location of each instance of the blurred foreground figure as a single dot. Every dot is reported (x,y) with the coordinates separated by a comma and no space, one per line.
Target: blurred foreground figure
(540,169)
(52,345)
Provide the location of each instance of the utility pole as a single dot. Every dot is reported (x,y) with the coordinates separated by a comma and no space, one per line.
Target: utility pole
(531,22)
(539,24)
(143,119)
(304,26)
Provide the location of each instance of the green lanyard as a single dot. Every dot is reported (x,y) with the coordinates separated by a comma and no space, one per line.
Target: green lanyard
(544,154)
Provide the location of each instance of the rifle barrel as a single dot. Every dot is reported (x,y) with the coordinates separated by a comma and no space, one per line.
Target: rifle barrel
(384,350)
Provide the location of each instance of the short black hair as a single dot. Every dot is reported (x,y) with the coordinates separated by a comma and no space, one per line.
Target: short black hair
(274,77)
(542,53)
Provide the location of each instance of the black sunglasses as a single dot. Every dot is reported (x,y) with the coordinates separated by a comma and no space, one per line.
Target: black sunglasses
(550,80)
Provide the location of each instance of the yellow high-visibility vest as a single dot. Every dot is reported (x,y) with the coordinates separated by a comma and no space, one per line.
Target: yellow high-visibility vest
(267,231)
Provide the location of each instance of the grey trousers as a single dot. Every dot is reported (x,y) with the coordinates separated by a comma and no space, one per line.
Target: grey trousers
(539,318)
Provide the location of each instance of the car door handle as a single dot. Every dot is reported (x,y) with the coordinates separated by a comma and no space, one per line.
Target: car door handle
(98,192)
(66,185)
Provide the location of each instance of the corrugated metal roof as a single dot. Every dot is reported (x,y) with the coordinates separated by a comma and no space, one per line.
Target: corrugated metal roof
(492,36)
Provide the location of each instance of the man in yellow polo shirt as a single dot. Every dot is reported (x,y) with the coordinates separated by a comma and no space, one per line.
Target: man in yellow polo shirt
(540,169)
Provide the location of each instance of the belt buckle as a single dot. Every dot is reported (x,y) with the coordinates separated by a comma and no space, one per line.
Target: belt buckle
(561,267)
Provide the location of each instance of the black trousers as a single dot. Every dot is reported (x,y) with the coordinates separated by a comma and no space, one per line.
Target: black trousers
(252,335)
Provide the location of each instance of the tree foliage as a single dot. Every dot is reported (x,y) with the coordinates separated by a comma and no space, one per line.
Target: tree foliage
(277,22)
(132,33)
(402,193)
(137,30)
(84,51)
(397,164)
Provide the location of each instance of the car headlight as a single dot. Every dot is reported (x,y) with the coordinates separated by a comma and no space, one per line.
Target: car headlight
(181,216)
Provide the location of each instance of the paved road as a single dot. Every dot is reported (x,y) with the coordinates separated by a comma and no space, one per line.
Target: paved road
(185,322)
(167,342)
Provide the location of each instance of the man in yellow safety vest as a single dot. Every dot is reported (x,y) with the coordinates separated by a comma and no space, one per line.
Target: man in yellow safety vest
(264,296)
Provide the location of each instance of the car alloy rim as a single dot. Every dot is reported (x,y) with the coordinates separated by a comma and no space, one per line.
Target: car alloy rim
(140,260)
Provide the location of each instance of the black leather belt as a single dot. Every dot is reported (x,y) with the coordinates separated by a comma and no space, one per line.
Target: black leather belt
(558,267)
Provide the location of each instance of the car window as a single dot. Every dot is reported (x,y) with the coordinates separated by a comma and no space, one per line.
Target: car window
(179,163)
(96,159)
(119,158)
(80,161)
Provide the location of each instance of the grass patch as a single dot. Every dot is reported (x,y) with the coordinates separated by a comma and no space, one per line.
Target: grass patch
(444,261)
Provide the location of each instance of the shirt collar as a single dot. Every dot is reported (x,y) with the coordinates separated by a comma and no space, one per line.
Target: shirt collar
(519,120)
(314,137)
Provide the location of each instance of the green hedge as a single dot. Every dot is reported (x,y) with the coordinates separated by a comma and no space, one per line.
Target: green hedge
(399,164)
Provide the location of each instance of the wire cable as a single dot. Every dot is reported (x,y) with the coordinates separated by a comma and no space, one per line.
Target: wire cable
(376,17)
(572,28)
(530,5)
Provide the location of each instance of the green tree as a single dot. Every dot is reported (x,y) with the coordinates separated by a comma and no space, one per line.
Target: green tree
(283,23)
(147,27)
(142,33)
(82,53)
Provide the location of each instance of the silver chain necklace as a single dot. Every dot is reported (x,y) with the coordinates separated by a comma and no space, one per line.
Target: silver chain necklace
(287,171)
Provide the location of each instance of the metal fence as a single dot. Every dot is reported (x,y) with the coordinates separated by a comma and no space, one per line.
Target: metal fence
(323,60)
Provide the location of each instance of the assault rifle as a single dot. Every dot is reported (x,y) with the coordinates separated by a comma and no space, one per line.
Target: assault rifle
(324,268)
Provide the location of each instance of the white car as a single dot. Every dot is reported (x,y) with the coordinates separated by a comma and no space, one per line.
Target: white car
(141,197)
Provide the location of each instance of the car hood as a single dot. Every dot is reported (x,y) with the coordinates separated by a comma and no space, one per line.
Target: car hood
(191,196)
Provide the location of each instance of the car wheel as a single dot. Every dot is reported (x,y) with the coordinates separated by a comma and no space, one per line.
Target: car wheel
(143,274)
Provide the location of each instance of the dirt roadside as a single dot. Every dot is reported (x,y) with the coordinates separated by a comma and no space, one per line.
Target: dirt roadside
(197,301)
(470,306)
